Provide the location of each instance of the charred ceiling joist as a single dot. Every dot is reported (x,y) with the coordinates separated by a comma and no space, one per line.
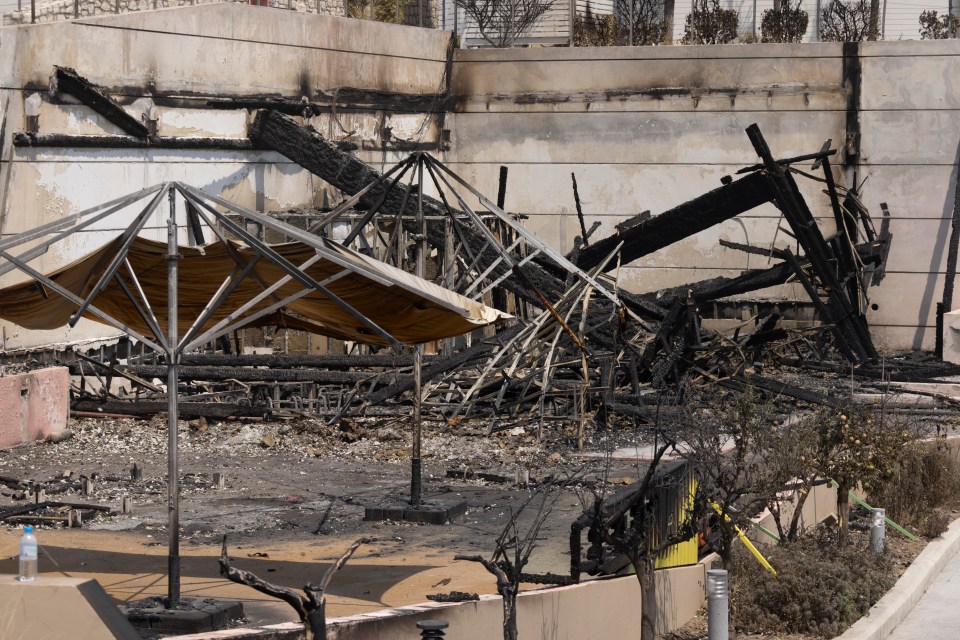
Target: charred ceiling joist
(68,81)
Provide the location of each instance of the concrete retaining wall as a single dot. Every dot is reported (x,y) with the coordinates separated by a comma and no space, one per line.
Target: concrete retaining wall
(33,405)
(69,9)
(642,128)
(650,127)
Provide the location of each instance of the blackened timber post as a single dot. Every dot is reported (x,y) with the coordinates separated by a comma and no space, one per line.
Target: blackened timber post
(416,484)
(173,466)
(849,320)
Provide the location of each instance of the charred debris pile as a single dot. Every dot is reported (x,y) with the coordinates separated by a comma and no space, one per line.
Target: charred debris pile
(578,348)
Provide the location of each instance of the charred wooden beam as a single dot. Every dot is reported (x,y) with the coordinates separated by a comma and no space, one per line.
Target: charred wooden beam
(289,361)
(818,157)
(743,383)
(66,80)
(851,322)
(343,98)
(680,222)
(244,374)
(67,141)
(715,288)
(219,410)
(758,251)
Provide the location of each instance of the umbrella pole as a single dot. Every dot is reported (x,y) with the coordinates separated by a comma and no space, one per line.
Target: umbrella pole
(173,467)
(416,487)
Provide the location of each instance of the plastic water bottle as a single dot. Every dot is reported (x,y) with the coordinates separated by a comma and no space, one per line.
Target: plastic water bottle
(28,555)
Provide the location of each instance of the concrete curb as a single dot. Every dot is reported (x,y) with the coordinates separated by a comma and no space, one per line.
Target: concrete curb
(892,608)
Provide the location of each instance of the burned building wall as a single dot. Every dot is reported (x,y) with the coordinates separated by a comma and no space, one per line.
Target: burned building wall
(647,128)
(642,128)
(170,66)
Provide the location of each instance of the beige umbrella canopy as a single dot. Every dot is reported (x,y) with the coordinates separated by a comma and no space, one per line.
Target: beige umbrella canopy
(410,309)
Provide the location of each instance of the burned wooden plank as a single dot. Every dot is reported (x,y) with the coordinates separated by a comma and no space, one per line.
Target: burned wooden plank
(111,369)
(749,248)
(341,98)
(67,141)
(243,374)
(682,221)
(66,80)
(846,313)
(722,287)
(221,410)
(289,361)
(741,383)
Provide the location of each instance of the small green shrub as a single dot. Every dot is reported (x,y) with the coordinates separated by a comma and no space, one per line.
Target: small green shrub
(821,589)
(934,524)
(926,480)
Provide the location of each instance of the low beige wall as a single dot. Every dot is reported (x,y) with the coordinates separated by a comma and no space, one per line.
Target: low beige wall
(54,607)
(819,505)
(33,405)
(606,609)
(593,610)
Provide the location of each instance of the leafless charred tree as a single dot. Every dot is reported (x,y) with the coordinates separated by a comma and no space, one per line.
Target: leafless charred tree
(784,23)
(513,548)
(732,441)
(639,539)
(502,22)
(709,23)
(845,21)
(310,605)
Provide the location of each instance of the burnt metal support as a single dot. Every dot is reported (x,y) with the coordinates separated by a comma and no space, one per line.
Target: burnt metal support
(293,271)
(416,468)
(53,286)
(416,479)
(128,237)
(173,467)
(41,247)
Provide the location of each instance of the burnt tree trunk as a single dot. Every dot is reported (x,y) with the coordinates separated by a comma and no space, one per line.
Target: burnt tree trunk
(510,613)
(843,514)
(648,613)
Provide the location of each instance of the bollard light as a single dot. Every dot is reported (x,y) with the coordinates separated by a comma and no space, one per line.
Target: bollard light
(31,109)
(718,605)
(432,628)
(878,530)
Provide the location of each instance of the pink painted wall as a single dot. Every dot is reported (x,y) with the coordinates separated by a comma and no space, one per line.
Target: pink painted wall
(33,405)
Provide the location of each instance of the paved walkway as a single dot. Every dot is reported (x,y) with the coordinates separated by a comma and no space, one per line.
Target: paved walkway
(937,615)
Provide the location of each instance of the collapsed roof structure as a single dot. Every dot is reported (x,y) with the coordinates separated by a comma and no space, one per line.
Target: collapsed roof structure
(580,342)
